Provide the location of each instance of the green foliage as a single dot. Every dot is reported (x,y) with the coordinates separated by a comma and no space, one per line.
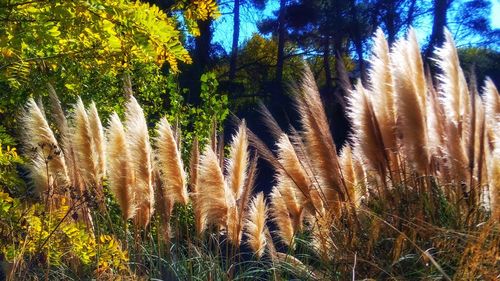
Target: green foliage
(260,54)
(99,34)
(255,78)
(5,138)
(197,10)
(85,48)
(148,83)
(317,67)
(484,62)
(197,121)
(30,230)
(9,160)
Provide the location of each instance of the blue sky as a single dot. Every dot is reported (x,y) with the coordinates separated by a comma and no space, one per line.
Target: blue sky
(495,14)
(223,27)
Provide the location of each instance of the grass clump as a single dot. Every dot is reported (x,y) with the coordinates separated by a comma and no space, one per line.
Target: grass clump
(413,195)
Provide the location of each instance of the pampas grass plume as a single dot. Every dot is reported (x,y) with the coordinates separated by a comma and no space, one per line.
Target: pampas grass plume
(97,134)
(410,88)
(293,167)
(238,163)
(255,224)
(214,198)
(83,144)
(171,167)
(140,156)
(318,140)
(121,175)
(382,90)
(364,126)
(281,217)
(39,136)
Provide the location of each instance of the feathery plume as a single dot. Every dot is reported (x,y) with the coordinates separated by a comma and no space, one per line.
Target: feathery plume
(454,91)
(255,224)
(314,192)
(291,194)
(436,122)
(359,174)
(281,217)
(242,202)
(97,134)
(366,135)
(83,144)
(64,135)
(417,66)
(164,205)
(47,155)
(140,156)
(349,171)
(121,174)
(492,100)
(410,89)
(319,141)
(234,225)
(249,183)
(481,144)
(293,167)
(382,90)
(171,167)
(456,103)
(492,111)
(237,213)
(214,199)
(494,182)
(59,117)
(238,163)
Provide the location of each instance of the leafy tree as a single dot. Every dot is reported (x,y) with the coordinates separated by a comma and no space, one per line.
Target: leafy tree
(484,62)
(99,34)
(395,16)
(467,20)
(256,74)
(473,28)
(86,47)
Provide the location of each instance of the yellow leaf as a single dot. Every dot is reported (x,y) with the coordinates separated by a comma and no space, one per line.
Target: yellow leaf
(54,31)
(114,43)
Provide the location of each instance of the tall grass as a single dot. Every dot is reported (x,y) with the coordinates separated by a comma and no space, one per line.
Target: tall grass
(414,194)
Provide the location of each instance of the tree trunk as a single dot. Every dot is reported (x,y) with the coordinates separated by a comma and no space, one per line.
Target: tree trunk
(390,24)
(236,36)
(437,36)
(203,43)
(358,43)
(326,64)
(358,39)
(201,60)
(281,43)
